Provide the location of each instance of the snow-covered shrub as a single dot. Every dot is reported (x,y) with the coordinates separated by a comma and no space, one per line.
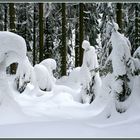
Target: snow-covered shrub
(121,71)
(23,75)
(41,78)
(13,50)
(90,78)
(134,62)
(51,65)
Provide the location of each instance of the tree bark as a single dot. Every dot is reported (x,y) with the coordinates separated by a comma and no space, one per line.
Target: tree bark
(34,35)
(81,31)
(77,53)
(136,27)
(63,48)
(13,66)
(5,17)
(119,16)
(41,32)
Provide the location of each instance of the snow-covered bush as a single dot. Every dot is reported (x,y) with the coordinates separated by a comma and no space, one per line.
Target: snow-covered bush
(23,75)
(51,65)
(121,71)
(13,50)
(41,78)
(134,62)
(90,78)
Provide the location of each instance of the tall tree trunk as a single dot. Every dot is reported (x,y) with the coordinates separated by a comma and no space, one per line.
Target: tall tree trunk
(5,17)
(76,39)
(136,28)
(63,48)
(12,29)
(34,35)
(77,53)
(1,17)
(47,40)
(81,30)
(119,16)
(41,32)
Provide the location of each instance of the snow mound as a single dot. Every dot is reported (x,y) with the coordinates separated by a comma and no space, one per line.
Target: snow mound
(51,65)
(12,44)
(75,76)
(42,78)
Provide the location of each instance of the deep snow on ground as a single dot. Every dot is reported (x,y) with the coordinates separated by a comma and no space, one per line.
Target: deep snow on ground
(59,113)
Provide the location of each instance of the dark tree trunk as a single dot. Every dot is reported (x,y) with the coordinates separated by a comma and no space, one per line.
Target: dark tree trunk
(12,29)
(63,48)
(76,38)
(136,27)
(81,29)
(5,17)
(119,16)
(12,17)
(41,32)
(47,40)
(34,36)
(76,46)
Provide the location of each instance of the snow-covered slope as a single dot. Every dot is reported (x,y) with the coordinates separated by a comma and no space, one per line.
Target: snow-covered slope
(56,112)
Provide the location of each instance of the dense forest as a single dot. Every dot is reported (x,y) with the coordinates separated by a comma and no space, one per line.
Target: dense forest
(56,30)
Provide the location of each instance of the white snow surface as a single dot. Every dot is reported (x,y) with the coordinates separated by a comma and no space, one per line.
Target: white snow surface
(58,112)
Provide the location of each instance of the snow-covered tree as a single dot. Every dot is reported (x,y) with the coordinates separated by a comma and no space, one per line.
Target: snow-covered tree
(134,63)
(107,12)
(24,17)
(90,79)
(11,53)
(120,57)
(131,16)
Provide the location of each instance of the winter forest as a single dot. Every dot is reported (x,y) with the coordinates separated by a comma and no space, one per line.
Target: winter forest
(69,70)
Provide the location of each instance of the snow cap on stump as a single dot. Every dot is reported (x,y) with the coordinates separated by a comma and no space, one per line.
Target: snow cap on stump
(85,45)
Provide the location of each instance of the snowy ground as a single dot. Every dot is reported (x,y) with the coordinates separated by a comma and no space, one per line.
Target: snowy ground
(59,114)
